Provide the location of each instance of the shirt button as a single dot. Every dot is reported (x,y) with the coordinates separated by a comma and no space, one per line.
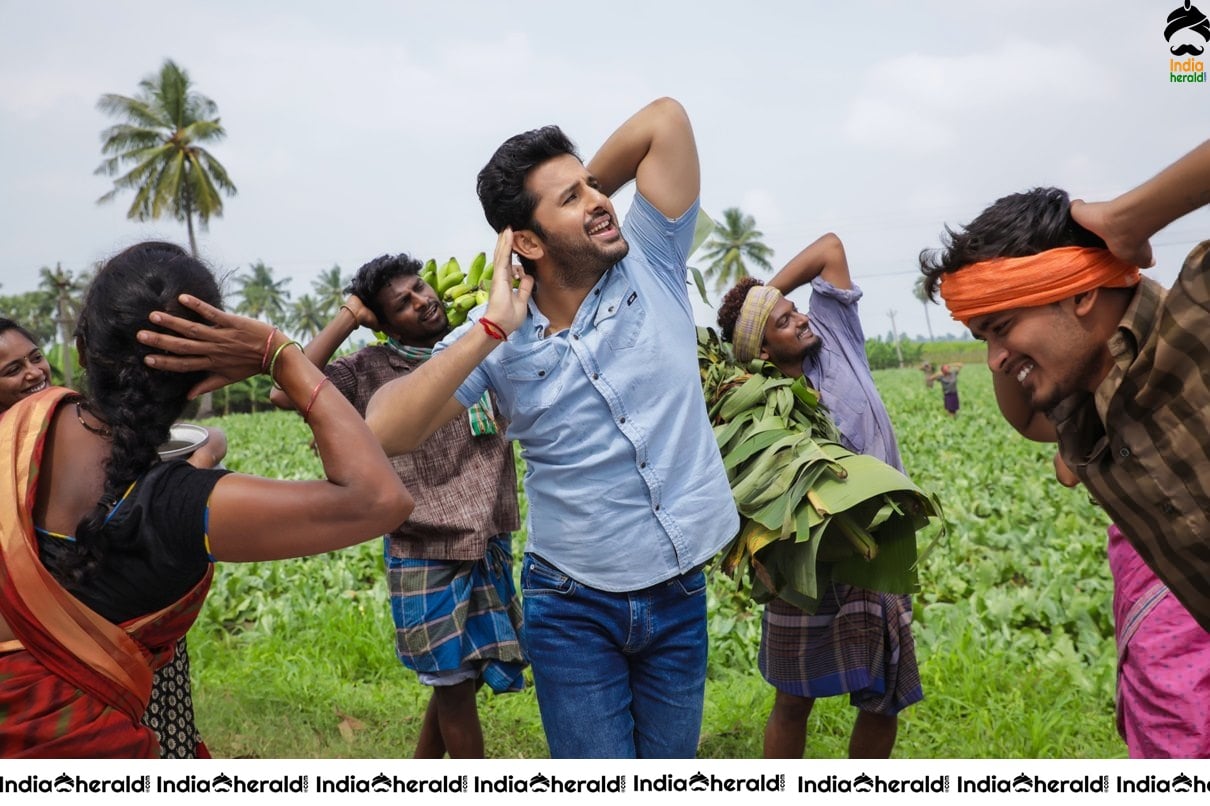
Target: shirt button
(575,336)
(621,419)
(1169,509)
(657,507)
(611,309)
(642,464)
(541,373)
(1124,452)
(595,376)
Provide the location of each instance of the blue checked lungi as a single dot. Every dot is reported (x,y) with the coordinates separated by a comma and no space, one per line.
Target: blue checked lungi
(450,613)
(858,643)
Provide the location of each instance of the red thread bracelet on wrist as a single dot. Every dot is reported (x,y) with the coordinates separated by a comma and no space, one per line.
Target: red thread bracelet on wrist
(264,359)
(314,394)
(493,330)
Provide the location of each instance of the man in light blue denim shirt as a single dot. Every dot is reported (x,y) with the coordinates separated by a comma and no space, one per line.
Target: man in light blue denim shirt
(593,359)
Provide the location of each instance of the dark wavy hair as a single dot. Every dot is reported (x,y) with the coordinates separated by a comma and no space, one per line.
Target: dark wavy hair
(501,184)
(7,324)
(1018,225)
(733,301)
(374,276)
(139,403)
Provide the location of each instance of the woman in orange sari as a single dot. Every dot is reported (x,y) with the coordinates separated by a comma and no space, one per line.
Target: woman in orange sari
(24,371)
(106,552)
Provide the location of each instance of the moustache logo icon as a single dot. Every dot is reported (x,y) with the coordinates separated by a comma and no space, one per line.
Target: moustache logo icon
(1190,23)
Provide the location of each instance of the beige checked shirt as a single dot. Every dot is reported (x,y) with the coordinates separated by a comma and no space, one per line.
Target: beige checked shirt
(1141,444)
(465,487)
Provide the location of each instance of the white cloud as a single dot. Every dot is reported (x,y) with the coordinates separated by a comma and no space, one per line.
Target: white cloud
(921,102)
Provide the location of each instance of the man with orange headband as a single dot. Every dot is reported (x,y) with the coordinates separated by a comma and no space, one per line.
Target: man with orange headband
(1112,367)
(859,642)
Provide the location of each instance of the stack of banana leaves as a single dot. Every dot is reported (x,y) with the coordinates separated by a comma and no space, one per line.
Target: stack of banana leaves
(811,511)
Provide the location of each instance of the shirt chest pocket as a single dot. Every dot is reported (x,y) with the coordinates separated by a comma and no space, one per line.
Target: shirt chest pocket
(620,320)
(847,418)
(535,376)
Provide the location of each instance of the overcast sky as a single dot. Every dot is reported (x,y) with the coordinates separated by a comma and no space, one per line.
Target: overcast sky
(357,129)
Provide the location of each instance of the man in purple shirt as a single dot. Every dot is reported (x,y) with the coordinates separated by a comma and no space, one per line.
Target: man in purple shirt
(859,642)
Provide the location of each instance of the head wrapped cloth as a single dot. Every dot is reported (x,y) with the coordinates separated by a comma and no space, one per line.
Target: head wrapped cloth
(1005,283)
(749,333)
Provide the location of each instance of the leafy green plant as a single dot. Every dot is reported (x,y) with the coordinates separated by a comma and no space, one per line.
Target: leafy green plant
(1013,622)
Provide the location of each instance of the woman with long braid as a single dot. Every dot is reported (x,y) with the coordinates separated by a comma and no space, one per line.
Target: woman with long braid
(24,371)
(107,557)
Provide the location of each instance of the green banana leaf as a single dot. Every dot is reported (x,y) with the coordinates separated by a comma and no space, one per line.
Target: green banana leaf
(701,231)
(812,512)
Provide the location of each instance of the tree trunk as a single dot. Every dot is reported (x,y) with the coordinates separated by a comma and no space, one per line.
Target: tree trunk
(205,404)
(192,239)
(63,324)
(895,334)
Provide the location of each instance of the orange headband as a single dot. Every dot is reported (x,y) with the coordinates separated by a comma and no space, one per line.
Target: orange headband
(1004,283)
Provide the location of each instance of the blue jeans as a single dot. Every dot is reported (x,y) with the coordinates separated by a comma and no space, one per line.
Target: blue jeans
(617,675)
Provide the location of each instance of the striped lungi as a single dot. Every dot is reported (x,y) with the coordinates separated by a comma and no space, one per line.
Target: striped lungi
(859,643)
(451,613)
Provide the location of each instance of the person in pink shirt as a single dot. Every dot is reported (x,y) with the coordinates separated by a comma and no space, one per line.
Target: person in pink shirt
(1163,684)
(1163,663)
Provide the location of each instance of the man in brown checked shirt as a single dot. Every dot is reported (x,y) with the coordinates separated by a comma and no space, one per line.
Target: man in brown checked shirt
(449,567)
(1087,353)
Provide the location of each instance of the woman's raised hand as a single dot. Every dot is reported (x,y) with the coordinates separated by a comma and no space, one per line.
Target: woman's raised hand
(227,346)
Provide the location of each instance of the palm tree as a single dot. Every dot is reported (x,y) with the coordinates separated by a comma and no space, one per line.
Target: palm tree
(307,318)
(261,296)
(65,290)
(160,140)
(329,290)
(734,241)
(919,293)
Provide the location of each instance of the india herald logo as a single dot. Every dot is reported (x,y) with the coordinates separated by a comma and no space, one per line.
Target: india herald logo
(1188,31)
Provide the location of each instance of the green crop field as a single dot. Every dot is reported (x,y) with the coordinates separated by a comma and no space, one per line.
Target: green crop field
(1013,621)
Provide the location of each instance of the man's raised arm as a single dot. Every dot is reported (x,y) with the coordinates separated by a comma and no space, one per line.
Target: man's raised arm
(825,257)
(352,314)
(655,147)
(1128,222)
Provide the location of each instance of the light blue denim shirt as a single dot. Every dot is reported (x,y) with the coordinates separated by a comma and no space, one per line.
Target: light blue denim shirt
(841,373)
(625,484)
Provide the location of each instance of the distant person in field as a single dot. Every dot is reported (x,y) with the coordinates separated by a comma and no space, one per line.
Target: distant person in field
(1163,679)
(593,358)
(947,376)
(449,566)
(1109,364)
(24,371)
(859,642)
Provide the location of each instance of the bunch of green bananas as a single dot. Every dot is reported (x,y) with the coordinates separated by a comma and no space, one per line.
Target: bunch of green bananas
(810,510)
(459,291)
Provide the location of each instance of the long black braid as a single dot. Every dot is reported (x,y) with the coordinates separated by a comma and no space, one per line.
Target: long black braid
(138,403)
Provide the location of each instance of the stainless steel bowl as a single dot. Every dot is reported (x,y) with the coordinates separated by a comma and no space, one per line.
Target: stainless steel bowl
(183,440)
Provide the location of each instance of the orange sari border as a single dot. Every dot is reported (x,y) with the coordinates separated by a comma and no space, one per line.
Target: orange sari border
(70,638)
(1002,284)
